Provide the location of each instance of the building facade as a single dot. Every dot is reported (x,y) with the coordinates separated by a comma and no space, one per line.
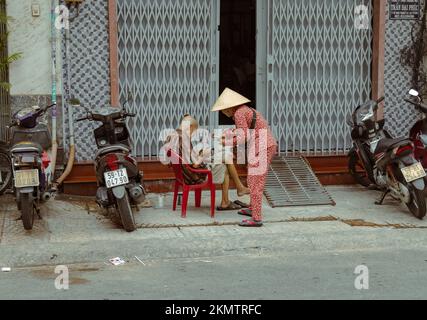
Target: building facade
(305,64)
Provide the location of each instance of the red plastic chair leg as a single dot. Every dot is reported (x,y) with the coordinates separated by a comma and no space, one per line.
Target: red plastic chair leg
(198,195)
(185,195)
(175,195)
(213,201)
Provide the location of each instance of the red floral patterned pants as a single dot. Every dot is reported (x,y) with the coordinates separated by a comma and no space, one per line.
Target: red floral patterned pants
(256,184)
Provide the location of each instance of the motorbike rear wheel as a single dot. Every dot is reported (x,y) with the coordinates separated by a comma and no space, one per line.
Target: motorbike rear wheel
(126,214)
(357,170)
(27,211)
(5,172)
(417,205)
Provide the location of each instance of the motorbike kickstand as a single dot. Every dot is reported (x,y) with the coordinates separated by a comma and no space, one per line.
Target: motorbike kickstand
(38,212)
(381,201)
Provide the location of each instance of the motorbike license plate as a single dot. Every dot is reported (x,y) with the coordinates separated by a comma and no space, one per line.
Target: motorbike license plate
(414,172)
(116,178)
(27,178)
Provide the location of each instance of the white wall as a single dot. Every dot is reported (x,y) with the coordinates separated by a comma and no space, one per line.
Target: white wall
(31,75)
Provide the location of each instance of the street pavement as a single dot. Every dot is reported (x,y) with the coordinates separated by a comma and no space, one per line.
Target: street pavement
(304,252)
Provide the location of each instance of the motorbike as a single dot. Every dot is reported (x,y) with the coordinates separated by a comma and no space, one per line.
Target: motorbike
(388,164)
(120,183)
(418,132)
(29,145)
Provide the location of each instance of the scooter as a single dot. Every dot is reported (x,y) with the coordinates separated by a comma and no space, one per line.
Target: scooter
(388,164)
(418,132)
(29,143)
(119,179)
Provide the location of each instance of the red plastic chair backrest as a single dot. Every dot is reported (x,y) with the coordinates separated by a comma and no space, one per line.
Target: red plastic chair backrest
(176,164)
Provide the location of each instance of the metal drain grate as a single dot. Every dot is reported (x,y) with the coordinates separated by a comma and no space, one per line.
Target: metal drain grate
(292,182)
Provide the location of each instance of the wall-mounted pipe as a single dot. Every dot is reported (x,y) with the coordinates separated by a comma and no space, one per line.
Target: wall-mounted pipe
(67,102)
(54,91)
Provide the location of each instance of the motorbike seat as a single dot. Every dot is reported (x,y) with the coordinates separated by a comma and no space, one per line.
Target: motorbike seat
(26,147)
(388,144)
(112,149)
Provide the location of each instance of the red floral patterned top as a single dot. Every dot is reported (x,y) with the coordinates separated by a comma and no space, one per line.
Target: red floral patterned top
(243,120)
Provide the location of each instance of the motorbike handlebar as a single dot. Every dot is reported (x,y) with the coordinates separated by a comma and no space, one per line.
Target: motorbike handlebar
(12,124)
(43,110)
(419,105)
(411,102)
(91,118)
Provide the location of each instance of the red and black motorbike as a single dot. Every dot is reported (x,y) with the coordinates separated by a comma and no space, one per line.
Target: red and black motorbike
(387,164)
(119,179)
(418,133)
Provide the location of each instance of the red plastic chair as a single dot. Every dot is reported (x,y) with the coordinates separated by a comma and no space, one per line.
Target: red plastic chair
(176,163)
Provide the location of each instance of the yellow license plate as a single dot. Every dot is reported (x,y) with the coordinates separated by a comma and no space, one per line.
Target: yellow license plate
(27,178)
(414,172)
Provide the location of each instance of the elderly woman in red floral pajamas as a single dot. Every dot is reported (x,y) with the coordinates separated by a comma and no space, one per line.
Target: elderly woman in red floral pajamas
(262,148)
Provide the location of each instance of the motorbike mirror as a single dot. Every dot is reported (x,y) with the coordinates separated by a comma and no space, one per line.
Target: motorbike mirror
(130,96)
(128,99)
(414,93)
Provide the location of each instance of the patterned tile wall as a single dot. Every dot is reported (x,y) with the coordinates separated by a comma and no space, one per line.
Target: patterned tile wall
(89,69)
(400,116)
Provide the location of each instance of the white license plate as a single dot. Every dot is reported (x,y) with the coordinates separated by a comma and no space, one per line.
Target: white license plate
(414,172)
(116,178)
(27,178)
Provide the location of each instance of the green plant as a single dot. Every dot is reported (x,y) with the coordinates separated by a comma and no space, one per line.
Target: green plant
(5,58)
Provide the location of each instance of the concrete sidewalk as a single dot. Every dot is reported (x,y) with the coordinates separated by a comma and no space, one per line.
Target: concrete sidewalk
(76,230)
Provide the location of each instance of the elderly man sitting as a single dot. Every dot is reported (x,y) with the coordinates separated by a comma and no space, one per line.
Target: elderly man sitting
(222,173)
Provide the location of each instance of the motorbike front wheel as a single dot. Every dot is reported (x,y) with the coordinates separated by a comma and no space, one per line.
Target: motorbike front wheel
(126,214)
(5,172)
(27,210)
(357,170)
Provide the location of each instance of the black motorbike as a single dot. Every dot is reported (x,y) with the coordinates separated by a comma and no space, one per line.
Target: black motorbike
(385,163)
(120,183)
(29,143)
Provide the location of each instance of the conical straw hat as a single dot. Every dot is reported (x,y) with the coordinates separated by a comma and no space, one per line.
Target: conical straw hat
(229,99)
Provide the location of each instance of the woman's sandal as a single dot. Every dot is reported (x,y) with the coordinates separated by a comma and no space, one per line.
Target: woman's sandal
(242,204)
(251,224)
(231,207)
(245,212)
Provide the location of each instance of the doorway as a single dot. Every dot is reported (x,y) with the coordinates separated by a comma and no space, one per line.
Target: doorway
(238,49)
